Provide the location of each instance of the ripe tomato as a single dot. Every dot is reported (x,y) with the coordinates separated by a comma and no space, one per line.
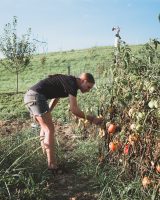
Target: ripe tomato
(112,146)
(112,128)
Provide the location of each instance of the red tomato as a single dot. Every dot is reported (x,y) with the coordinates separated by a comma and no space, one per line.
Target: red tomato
(112,128)
(112,146)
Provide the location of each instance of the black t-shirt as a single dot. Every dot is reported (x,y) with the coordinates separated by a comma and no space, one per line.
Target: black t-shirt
(57,86)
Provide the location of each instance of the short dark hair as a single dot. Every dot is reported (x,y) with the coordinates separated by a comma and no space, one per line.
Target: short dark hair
(90,78)
(87,76)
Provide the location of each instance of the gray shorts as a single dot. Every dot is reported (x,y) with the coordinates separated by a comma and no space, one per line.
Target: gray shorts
(36,103)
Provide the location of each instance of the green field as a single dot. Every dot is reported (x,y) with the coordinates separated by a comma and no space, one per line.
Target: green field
(127,93)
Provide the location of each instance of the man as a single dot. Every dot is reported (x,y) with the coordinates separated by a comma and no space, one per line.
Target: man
(55,87)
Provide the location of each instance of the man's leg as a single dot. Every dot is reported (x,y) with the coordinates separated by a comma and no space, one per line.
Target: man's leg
(47,126)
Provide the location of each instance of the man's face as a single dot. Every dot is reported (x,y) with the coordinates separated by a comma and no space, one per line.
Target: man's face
(86,86)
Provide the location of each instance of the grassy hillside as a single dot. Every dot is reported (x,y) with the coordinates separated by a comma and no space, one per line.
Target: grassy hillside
(78,61)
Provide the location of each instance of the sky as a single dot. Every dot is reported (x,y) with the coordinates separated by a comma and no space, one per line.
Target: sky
(79,24)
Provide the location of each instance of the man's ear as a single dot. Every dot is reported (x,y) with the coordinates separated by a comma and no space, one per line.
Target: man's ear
(83,80)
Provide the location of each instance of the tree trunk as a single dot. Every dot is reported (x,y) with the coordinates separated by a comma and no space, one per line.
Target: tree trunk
(17,82)
(69,69)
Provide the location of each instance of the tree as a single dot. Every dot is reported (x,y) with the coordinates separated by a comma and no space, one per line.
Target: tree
(17,51)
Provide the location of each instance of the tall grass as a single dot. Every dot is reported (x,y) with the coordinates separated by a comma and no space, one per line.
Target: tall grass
(21,175)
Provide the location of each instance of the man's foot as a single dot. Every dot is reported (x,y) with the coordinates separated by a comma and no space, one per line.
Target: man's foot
(55,171)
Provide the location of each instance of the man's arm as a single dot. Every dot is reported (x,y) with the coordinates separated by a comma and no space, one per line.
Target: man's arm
(53,103)
(76,111)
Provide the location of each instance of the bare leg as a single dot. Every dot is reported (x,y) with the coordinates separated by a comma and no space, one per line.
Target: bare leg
(47,126)
(42,135)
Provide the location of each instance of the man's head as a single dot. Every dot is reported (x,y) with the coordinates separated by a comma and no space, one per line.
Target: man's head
(86,82)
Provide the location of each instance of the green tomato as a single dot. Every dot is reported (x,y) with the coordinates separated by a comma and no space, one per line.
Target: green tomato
(140,115)
(139,127)
(151,104)
(152,89)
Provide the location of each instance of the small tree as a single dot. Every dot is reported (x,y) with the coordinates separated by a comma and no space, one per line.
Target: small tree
(17,51)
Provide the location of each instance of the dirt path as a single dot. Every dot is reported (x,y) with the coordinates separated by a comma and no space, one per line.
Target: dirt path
(68,185)
(12,126)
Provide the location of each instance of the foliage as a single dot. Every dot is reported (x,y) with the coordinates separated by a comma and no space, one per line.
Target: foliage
(17,51)
(134,107)
(18,178)
(130,100)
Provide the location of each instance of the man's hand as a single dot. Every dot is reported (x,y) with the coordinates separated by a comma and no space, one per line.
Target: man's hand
(97,121)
